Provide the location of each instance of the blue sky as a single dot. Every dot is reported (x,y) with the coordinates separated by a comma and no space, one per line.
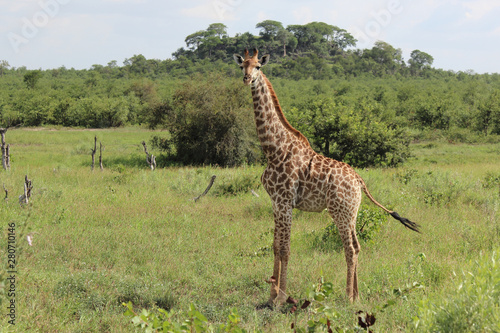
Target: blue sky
(460,35)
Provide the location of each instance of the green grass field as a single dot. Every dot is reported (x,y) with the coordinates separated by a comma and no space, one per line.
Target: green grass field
(129,234)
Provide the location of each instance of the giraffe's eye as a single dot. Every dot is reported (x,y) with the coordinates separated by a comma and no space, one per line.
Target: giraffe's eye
(258,67)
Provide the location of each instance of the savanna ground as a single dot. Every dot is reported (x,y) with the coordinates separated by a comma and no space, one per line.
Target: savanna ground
(125,234)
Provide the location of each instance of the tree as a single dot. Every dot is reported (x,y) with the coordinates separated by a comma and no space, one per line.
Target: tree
(386,55)
(321,38)
(138,64)
(217,29)
(194,40)
(269,29)
(205,43)
(340,39)
(31,78)
(276,38)
(489,114)
(4,65)
(419,60)
(286,38)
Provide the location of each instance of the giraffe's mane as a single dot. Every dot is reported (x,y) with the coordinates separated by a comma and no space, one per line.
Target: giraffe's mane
(281,115)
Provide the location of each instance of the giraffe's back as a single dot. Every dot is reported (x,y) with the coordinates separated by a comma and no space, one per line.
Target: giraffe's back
(323,181)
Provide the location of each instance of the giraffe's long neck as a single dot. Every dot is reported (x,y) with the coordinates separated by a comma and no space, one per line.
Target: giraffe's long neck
(276,135)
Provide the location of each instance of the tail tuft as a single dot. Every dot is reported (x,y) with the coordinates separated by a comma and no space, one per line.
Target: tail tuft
(407,223)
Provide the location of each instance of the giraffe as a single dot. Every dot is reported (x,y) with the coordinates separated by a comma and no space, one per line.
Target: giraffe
(298,177)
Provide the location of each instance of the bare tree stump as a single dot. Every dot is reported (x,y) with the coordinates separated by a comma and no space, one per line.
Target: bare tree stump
(101,148)
(151,159)
(207,189)
(25,197)
(7,156)
(5,150)
(93,152)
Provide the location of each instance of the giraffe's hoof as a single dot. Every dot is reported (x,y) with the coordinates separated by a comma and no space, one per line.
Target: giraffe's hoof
(276,302)
(264,306)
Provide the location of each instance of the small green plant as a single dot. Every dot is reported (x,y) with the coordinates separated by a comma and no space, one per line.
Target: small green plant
(439,189)
(322,315)
(241,183)
(369,222)
(405,176)
(491,180)
(163,321)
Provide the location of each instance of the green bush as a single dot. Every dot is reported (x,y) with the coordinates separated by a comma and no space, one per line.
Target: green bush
(350,133)
(238,184)
(98,112)
(164,321)
(471,305)
(491,180)
(368,224)
(210,123)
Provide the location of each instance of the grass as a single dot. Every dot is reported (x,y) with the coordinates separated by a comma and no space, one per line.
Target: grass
(129,234)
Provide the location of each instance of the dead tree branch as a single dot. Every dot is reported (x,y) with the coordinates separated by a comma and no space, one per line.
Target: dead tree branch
(151,159)
(24,198)
(6,193)
(93,152)
(207,189)
(5,150)
(101,148)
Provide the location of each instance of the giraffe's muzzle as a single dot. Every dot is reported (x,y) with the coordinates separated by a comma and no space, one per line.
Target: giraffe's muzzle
(247,79)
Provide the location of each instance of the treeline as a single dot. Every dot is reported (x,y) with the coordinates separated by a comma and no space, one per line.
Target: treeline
(317,50)
(344,99)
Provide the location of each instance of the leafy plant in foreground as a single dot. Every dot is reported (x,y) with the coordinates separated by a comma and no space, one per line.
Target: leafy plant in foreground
(322,315)
(491,180)
(163,321)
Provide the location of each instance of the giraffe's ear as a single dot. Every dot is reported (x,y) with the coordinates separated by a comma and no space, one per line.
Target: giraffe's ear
(264,60)
(239,59)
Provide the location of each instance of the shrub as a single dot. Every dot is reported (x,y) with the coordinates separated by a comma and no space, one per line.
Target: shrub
(352,134)
(98,112)
(368,224)
(491,180)
(210,122)
(237,184)
(163,321)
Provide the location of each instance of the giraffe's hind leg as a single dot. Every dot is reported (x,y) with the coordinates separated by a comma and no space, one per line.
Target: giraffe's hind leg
(357,249)
(344,217)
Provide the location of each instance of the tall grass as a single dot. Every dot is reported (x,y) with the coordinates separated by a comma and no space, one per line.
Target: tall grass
(130,234)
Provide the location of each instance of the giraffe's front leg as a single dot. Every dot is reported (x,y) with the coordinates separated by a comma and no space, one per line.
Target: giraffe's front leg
(281,247)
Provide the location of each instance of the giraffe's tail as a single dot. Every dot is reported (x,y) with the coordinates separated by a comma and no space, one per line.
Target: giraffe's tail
(407,223)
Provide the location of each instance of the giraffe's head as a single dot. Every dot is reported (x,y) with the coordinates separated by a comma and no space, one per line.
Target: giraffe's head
(250,65)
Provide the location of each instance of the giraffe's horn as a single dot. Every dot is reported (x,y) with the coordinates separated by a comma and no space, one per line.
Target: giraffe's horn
(255,53)
(246,54)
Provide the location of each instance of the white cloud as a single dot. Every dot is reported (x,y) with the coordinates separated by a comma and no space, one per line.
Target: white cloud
(126,1)
(219,10)
(262,16)
(477,9)
(303,15)
(16,6)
